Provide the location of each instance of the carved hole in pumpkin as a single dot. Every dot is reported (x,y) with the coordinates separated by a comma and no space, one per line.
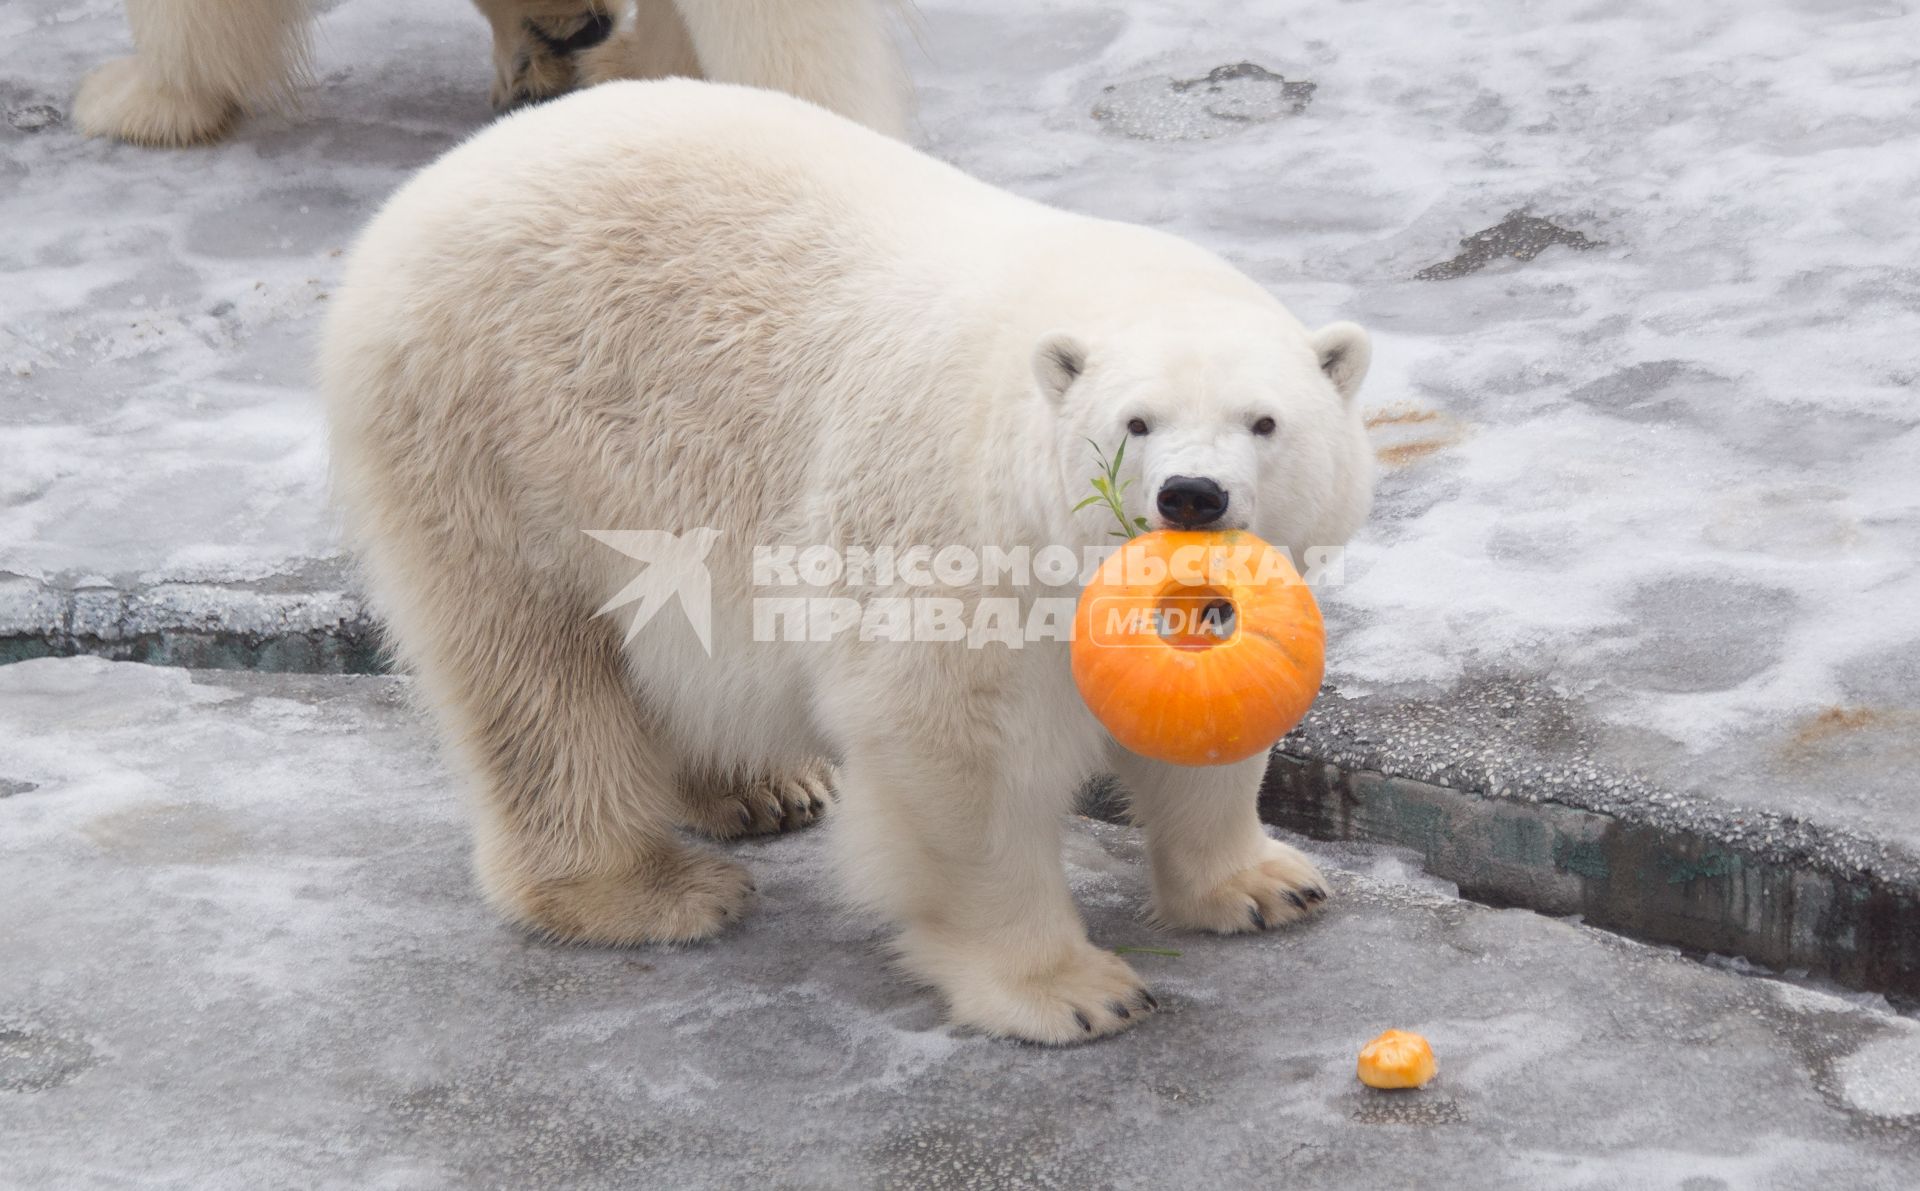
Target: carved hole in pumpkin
(1195,617)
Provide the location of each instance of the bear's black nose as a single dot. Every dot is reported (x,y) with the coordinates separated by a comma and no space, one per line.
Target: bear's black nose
(1189,502)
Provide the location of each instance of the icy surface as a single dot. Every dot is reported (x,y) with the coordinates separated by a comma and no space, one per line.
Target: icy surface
(157,318)
(1883,1077)
(242,950)
(1644,279)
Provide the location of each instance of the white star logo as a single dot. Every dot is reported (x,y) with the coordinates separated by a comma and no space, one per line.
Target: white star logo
(676,566)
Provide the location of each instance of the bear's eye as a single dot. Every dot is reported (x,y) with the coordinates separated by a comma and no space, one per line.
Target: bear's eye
(1263,427)
(1137,426)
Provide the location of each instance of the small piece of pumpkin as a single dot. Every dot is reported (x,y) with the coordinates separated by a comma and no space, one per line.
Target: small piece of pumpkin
(1397,1059)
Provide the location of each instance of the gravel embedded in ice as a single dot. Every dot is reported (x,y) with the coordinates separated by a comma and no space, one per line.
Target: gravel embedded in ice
(1519,236)
(1220,102)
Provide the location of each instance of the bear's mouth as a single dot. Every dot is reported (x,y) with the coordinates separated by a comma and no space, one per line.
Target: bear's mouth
(1223,525)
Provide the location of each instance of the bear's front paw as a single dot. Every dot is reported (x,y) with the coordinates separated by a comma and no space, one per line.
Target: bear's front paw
(1282,886)
(1088,994)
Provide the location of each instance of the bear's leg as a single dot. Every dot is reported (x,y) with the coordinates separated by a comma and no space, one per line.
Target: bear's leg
(730,805)
(962,848)
(535,44)
(649,41)
(1214,866)
(836,53)
(199,64)
(574,816)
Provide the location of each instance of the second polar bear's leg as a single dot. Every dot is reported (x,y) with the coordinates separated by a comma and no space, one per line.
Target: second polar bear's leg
(951,827)
(649,41)
(1214,866)
(577,797)
(535,43)
(836,53)
(199,64)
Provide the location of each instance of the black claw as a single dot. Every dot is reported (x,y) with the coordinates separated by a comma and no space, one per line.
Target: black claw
(1298,904)
(1082,1019)
(817,806)
(746,817)
(1316,894)
(1259,919)
(1118,1010)
(1147,999)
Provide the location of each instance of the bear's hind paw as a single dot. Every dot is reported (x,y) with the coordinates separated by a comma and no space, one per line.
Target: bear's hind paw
(128,100)
(767,805)
(676,897)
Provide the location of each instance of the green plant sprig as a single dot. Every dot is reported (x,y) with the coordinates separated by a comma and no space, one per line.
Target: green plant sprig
(1109,489)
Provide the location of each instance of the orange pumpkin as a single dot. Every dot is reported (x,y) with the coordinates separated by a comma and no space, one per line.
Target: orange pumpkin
(1397,1059)
(1198,648)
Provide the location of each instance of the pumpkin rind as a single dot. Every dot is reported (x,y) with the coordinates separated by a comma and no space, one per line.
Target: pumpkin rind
(1397,1059)
(1206,705)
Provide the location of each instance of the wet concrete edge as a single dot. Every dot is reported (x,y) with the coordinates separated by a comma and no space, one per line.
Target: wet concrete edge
(1692,889)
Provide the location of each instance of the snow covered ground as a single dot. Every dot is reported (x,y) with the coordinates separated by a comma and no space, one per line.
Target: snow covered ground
(1651,438)
(242,950)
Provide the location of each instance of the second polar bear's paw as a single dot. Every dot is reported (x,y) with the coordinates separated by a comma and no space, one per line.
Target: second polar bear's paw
(1089,994)
(731,807)
(540,65)
(678,897)
(1282,886)
(127,100)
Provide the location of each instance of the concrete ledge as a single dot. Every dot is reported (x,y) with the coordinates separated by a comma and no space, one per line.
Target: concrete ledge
(266,626)
(1787,906)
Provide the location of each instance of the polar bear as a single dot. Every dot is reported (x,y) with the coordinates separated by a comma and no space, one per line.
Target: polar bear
(719,314)
(200,63)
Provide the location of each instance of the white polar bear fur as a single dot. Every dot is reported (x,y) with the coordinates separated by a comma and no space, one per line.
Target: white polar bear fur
(674,305)
(199,64)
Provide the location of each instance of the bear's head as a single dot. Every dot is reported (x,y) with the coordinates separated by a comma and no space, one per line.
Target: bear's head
(1232,417)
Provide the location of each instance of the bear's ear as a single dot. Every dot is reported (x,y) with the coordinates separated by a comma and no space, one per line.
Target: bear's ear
(1058,362)
(1344,351)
